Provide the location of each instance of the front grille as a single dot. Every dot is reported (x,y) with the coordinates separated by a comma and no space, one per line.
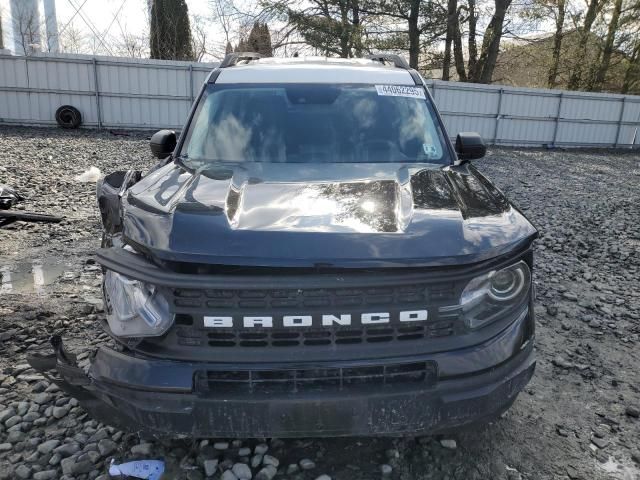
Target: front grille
(315,379)
(214,323)
(338,294)
(312,338)
(270,299)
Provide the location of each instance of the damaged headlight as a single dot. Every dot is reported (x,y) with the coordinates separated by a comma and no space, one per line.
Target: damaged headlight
(489,296)
(136,309)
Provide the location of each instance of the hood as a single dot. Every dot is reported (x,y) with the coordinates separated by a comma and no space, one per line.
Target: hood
(268,214)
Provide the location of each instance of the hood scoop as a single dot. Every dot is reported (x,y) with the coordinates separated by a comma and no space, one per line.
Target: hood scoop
(306,214)
(358,206)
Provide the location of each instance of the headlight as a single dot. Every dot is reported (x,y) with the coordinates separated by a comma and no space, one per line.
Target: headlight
(136,309)
(487,297)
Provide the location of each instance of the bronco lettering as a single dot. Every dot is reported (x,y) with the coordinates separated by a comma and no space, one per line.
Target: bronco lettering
(327,320)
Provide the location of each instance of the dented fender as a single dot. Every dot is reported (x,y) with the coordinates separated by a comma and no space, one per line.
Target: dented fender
(109,192)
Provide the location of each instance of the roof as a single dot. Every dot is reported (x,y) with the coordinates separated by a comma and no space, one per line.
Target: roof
(315,70)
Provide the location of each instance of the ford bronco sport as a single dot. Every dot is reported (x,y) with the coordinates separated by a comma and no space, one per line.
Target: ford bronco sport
(312,257)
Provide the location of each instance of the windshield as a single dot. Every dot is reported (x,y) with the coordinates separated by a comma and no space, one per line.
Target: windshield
(314,123)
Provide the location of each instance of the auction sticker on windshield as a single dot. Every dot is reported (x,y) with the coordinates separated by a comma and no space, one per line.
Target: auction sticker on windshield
(400,91)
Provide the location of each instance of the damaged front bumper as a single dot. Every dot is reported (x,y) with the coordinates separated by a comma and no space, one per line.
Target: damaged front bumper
(161,397)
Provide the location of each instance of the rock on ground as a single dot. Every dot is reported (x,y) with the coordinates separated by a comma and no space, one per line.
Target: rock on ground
(578,416)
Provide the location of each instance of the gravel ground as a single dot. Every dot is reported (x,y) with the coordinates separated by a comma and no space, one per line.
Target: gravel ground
(577,419)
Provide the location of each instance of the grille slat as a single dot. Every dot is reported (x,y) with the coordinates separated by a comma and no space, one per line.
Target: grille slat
(327,379)
(392,296)
(264,338)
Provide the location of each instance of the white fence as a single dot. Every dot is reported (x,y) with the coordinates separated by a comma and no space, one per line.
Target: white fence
(109,92)
(525,116)
(152,94)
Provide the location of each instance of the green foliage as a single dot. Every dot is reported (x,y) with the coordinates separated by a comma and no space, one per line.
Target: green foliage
(585,45)
(331,27)
(259,40)
(170,35)
(526,65)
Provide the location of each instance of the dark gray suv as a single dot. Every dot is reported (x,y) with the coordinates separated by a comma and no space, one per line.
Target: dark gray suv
(311,257)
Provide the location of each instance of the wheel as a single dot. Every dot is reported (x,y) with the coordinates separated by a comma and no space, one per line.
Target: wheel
(68,116)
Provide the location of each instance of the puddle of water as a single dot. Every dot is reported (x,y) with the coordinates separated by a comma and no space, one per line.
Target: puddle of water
(29,277)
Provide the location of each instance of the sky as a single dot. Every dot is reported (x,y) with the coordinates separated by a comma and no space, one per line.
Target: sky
(100,15)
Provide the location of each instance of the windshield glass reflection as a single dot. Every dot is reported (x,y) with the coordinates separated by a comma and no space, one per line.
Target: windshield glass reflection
(312,124)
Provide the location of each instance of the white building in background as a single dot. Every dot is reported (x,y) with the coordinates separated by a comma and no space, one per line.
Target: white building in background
(51,26)
(25,22)
(30,26)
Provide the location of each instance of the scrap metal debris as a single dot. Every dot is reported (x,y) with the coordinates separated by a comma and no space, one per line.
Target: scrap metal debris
(145,469)
(8,198)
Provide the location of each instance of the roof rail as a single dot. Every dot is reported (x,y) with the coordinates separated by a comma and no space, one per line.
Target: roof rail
(232,58)
(397,60)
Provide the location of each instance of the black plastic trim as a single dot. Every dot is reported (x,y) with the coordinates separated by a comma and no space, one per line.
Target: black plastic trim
(398,409)
(213,76)
(416,77)
(139,268)
(397,60)
(194,107)
(233,58)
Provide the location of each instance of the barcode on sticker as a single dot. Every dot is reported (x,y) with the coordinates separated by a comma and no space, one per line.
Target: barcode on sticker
(400,91)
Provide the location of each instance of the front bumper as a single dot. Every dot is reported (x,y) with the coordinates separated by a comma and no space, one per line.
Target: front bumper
(160,397)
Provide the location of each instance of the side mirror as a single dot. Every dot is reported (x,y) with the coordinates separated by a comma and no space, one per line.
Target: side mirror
(163,143)
(469,145)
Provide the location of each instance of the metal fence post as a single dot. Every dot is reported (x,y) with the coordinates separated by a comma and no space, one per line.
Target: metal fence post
(498,115)
(26,72)
(635,133)
(620,120)
(555,129)
(191,82)
(97,90)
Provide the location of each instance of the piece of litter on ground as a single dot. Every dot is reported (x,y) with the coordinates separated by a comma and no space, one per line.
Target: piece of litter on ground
(144,469)
(91,175)
(449,443)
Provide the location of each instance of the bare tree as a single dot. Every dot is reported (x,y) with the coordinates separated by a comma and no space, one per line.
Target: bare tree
(131,45)
(560,12)
(491,44)
(472,20)
(480,68)
(593,9)
(200,40)
(224,13)
(415,25)
(26,27)
(128,43)
(452,10)
(632,72)
(1,36)
(603,67)
(73,40)
(629,43)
